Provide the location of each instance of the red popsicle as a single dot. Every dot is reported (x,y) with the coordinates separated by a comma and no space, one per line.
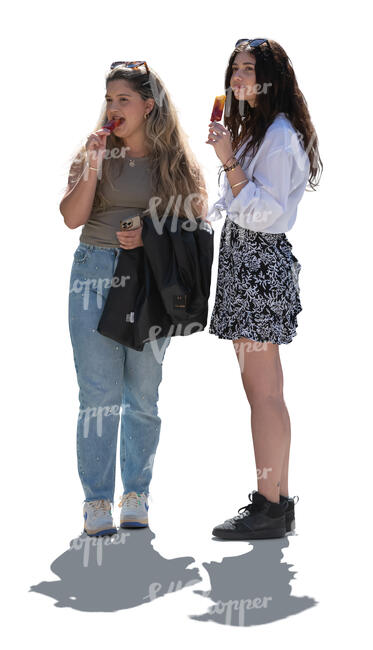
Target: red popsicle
(112,124)
(218,108)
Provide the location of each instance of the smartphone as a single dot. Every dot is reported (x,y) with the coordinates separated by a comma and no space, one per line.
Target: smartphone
(131,223)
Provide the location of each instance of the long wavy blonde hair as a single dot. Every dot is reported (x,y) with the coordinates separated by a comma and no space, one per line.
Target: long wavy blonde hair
(175,172)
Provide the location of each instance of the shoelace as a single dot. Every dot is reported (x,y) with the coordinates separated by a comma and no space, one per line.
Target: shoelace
(132,499)
(98,506)
(251,507)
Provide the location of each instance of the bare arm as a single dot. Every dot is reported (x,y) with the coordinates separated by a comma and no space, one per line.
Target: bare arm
(76,205)
(237,175)
(220,139)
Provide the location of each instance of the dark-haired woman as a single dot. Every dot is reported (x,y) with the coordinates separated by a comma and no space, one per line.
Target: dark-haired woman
(268,149)
(113,177)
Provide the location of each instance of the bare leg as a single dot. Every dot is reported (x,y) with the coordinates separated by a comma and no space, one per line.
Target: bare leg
(262,378)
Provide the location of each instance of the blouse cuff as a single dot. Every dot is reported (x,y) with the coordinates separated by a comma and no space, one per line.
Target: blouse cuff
(259,204)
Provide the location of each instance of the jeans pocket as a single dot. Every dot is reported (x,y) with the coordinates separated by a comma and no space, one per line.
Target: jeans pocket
(81,254)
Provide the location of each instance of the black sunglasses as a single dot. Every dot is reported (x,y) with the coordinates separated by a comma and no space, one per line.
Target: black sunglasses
(253,42)
(130,64)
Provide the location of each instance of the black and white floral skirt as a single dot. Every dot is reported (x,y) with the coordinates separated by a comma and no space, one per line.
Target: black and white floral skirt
(257,292)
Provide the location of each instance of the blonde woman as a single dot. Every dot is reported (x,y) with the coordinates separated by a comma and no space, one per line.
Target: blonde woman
(268,149)
(113,177)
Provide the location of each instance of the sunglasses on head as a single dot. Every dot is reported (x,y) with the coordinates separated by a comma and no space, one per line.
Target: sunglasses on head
(253,42)
(130,64)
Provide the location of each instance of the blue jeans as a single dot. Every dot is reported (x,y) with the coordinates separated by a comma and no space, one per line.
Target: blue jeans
(113,379)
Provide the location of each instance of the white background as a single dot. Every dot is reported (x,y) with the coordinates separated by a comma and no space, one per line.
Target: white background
(54,60)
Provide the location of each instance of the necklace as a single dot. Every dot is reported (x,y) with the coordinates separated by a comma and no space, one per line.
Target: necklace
(132,160)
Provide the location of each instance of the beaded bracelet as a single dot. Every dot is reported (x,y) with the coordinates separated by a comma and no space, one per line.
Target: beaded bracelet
(233,159)
(229,169)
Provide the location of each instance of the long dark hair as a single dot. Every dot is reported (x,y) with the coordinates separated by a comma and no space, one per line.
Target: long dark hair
(175,171)
(274,68)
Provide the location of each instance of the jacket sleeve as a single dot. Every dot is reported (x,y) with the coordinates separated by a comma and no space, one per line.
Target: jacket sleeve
(169,276)
(181,270)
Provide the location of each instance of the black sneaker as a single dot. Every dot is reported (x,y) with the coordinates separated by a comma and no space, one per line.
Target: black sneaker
(261,519)
(289,514)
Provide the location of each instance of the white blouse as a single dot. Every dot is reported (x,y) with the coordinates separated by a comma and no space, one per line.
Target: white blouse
(278,175)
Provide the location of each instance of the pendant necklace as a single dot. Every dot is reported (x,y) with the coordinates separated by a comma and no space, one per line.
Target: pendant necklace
(132,161)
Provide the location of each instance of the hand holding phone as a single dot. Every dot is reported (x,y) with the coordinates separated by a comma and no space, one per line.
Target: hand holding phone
(132,223)
(130,233)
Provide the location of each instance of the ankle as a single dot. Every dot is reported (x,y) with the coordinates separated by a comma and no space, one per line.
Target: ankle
(270,496)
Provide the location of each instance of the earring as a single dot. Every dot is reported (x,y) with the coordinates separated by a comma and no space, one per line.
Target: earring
(146,115)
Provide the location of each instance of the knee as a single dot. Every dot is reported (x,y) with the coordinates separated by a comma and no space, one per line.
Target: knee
(143,400)
(96,396)
(266,398)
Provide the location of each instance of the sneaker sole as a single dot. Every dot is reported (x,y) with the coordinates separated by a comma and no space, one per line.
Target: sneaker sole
(290,526)
(132,524)
(99,533)
(232,535)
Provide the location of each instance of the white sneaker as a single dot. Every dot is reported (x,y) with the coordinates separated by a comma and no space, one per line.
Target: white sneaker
(134,513)
(98,519)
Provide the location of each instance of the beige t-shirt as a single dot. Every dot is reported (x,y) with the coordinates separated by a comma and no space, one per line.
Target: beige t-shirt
(130,196)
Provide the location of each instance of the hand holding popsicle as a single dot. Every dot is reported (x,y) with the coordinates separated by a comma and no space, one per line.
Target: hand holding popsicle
(219,136)
(96,147)
(96,142)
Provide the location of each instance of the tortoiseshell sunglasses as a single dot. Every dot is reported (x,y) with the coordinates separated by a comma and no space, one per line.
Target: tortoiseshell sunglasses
(130,64)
